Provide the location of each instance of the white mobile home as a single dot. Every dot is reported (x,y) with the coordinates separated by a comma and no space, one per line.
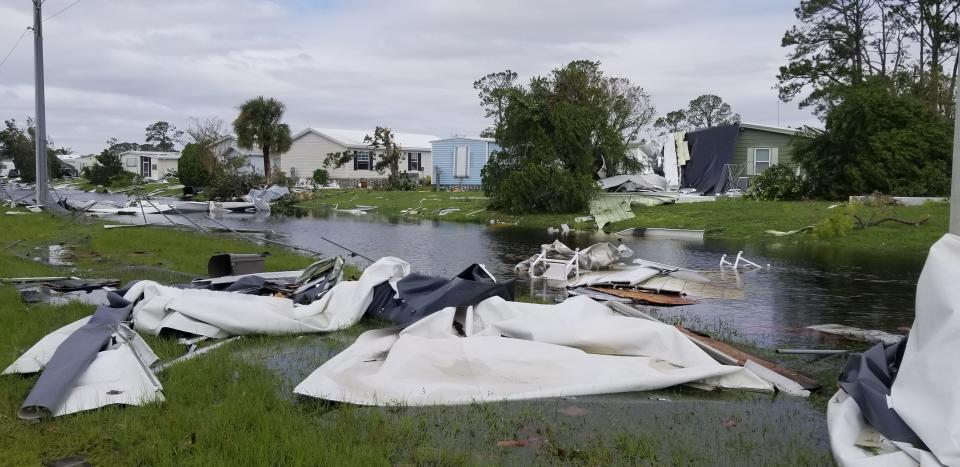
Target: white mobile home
(311,146)
(77,161)
(227,148)
(150,165)
(6,165)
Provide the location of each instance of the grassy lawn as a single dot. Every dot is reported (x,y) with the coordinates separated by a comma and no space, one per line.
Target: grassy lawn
(738,219)
(235,405)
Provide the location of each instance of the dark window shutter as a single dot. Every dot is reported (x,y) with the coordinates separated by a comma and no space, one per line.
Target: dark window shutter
(420,161)
(354,161)
(370,166)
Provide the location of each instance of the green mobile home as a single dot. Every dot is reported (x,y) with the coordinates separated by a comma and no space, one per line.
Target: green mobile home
(760,147)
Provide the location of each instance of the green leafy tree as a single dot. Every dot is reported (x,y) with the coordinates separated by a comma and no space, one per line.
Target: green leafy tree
(828,50)
(19,144)
(493,90)
(933,25)
(839,44)
(878,140)
(190,169)
(119,148)
(673,122)
(260,125)
(163,135)
(557,132)
(708,111)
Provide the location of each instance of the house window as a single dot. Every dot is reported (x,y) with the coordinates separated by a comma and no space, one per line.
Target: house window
(461,162)
(131,162)
(414,162)
(361,161)
(761,160)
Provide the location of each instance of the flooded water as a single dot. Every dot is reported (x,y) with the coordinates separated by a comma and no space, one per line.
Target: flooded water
(799,286)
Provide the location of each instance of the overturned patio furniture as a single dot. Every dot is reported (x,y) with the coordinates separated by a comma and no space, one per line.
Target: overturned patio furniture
(558,262)
(555,269)
(738,261)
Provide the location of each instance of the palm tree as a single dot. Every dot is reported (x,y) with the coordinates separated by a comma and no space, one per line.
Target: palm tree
(258,125)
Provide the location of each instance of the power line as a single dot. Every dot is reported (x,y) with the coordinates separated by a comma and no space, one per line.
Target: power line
(62,10)
(15,44)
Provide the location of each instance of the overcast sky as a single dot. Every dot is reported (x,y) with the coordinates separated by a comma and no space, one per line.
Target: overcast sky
(113,67)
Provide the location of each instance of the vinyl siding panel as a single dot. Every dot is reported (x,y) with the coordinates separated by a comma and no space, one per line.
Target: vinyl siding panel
(750,138)
(444,154)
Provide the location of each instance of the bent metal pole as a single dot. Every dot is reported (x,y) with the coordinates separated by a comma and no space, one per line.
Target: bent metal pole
(955,179)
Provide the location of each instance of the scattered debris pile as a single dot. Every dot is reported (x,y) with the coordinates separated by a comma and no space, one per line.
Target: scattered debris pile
(598,272)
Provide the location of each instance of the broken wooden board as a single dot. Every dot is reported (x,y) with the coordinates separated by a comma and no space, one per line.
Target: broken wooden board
(868,335)
(651,298)
(729,354)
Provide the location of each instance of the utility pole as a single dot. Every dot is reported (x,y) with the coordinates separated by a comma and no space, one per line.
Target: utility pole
(955,178)
(41,130)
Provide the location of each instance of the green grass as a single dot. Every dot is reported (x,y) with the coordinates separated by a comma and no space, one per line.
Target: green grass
(738,219)
(235,406)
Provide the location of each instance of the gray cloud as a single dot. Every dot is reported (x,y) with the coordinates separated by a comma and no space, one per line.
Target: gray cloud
(114,67)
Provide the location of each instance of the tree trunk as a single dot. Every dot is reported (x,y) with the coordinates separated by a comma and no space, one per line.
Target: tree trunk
(266,163)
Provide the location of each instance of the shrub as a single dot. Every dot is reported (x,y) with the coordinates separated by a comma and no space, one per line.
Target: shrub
(401,182)
(779,182)
(229,184)
(321,177)
(190,169)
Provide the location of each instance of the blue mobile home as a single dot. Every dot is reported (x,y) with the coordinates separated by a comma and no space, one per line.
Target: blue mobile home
(457,161)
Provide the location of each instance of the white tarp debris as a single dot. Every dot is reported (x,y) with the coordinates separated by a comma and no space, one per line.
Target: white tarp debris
(36,357)
(640,182)
(118,375)
(856,444)
(518,351)
(268,195)
(221,314)
(924,393)
(671,169)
